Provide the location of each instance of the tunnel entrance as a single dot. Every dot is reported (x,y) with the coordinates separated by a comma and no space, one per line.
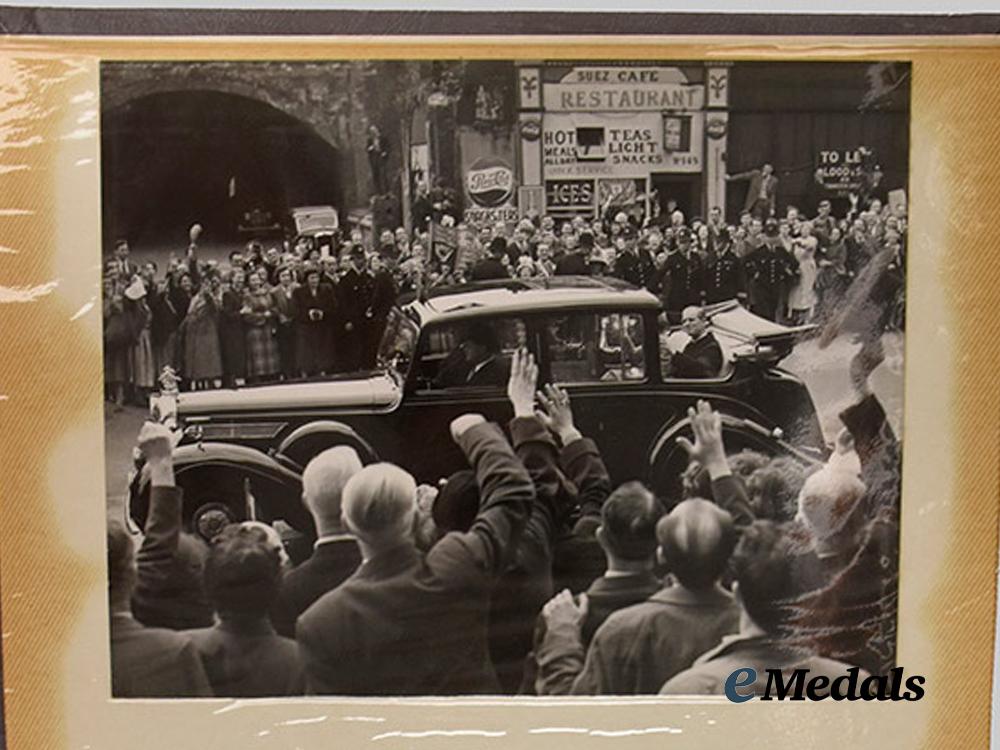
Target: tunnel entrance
(172,159)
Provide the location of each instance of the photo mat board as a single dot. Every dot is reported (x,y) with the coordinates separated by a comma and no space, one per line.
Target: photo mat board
(57,636)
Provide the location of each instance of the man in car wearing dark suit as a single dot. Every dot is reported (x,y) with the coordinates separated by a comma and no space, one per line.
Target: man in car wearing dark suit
(475,362)
(702,356)
(335,554)
(413,624)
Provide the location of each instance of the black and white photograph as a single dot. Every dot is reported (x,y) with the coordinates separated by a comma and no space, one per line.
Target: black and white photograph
(501,377)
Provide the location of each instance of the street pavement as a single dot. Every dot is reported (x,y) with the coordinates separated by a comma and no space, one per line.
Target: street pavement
(824,371)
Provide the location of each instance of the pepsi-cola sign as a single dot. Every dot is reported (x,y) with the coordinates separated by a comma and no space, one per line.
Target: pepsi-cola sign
(490,182)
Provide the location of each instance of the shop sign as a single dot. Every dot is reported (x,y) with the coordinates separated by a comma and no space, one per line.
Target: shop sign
(619,145)
(844,170)
(531,130)
(569,194)
(622,89)
(490,182)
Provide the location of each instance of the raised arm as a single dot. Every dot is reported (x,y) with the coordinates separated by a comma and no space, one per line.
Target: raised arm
(708,450)
(506,496)
(537,449)
(580,459)
(155,559)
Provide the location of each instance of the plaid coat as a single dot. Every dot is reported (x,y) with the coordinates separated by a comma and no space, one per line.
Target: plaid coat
(259,315)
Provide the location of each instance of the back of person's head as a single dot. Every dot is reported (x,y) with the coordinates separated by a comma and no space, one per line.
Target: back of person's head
(628,522)
(774,489)
(323,483)
(829,501)
(696,539)
(379,502)
(243,571)
(746,462)
(121,564)
(763,564)
(457,504)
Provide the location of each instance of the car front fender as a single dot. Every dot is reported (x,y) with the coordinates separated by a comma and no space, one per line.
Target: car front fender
(222,473)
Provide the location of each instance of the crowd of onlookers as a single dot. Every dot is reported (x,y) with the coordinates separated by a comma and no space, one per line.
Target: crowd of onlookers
(282,310)
(526,573)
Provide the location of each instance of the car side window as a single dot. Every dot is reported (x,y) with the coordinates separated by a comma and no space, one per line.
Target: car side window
(595,347)
(469,354)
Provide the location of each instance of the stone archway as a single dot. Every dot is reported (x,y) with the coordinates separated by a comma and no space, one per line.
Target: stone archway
(172,157)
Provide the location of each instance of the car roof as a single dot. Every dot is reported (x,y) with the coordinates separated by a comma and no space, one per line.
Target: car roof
(507,296)
(312,209)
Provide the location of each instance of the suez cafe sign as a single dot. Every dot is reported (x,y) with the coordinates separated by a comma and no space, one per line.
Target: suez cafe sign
(616,89)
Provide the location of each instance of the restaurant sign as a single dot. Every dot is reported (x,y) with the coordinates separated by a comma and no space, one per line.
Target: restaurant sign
(623,89)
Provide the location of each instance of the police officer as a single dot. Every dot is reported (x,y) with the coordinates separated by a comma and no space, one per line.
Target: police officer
(725,275)
(634,264)
(769,271)
(356,296)
(681,278)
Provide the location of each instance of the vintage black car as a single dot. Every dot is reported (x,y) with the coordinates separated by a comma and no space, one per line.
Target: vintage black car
(243,449)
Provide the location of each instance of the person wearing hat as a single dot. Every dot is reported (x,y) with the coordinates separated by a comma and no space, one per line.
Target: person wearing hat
(313,305)
(573,262)
(634,264)
(492,267)
(725,274)
(355,296)
(681,280)
(475,361)
(769,270)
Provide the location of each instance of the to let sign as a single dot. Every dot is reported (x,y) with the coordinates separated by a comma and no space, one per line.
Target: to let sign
(843,170)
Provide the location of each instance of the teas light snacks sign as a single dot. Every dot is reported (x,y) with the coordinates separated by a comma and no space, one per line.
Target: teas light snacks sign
(629,144)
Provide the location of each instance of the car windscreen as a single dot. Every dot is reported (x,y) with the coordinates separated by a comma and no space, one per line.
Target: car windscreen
(396,349)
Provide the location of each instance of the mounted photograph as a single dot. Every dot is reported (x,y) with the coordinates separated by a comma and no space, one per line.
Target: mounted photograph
(498,377)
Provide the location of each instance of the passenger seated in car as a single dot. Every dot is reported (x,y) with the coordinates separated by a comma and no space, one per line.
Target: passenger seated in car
(701,357)
(474,362)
